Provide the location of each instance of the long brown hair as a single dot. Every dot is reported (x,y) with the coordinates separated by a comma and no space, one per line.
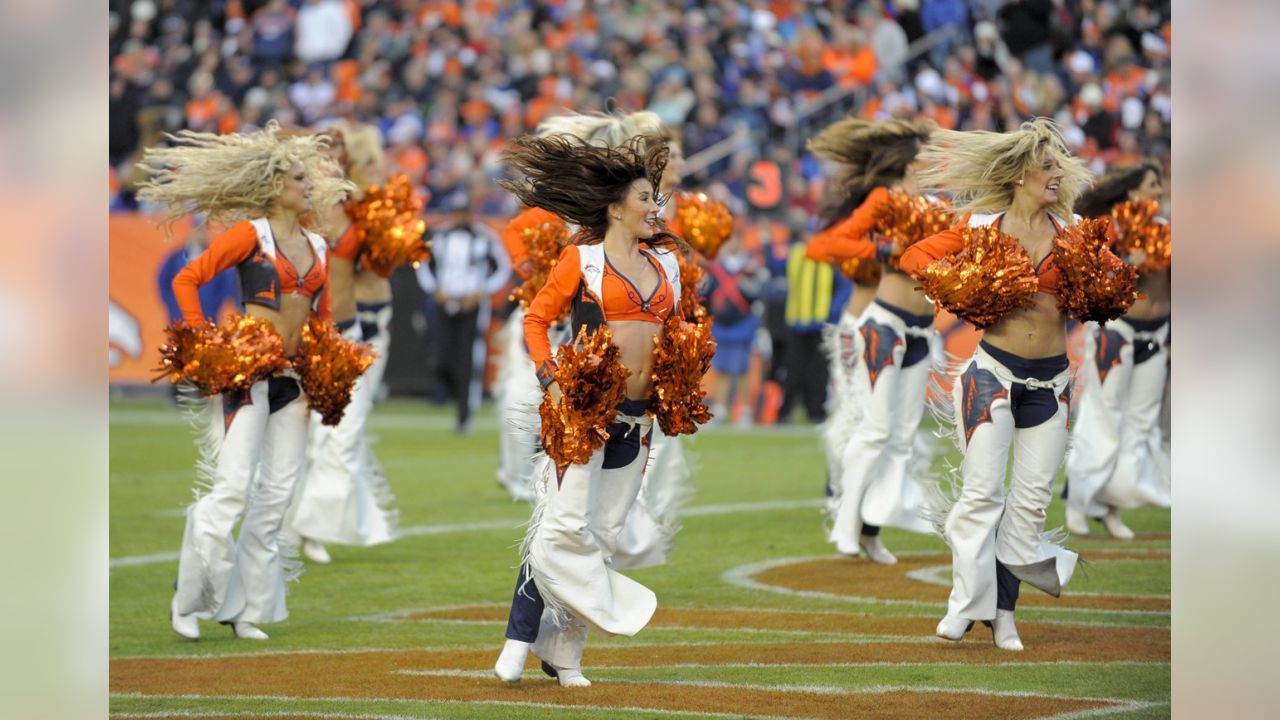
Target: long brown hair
(579,181)
(1113,188)
(873,154)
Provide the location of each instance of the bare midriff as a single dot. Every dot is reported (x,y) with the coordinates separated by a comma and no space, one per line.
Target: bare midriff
(635,341)
(1037,331)
(1154,297)
(372,287)
(288,320)
(899,290)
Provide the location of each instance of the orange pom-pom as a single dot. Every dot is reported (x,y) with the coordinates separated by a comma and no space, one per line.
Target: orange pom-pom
(543,241)
(691,303)
(232,356)
(862,272)
(681,357)
(593,382)
(907,219)
(1096,285)
(387,224)
(704,223)
(1138,230)
(328,366)
(989,278)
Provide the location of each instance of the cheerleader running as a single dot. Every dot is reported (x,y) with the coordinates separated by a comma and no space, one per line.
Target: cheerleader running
(1117,458)
(1013,391)
(261,184)
(882,389)
(344,497)
(625,281)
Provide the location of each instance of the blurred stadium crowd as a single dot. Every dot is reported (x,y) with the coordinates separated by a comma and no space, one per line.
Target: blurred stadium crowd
(742,83)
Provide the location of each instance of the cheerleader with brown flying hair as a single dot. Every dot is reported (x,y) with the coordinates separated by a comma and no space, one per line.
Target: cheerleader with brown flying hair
(261,185)
(1117,458)
(885,367)
(621,277)
(1013,392)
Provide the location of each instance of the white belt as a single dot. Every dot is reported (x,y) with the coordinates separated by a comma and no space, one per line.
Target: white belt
(1057,384)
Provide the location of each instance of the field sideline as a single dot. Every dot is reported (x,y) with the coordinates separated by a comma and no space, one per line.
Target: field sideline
(757,616)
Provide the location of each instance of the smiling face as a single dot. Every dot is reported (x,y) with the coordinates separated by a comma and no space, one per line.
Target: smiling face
(637,212)
(1041,183)
(1150,189)
(295,195)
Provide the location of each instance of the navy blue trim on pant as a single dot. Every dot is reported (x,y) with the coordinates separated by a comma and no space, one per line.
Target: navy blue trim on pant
(1030,406)
(917,347)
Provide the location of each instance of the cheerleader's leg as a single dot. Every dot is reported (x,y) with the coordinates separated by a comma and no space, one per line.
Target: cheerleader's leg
(1037,455)
(986,424)
(896,497)
(208,548)
(1098,426)
(1139,477)
(875,384)
(256,592)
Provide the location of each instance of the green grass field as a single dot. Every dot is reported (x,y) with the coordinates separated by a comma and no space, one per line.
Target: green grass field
(757,500)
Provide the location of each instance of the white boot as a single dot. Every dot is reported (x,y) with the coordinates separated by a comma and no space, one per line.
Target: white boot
(510,665)
(315,551)
(1077,522)
(571,678)
(185,625)
(875,550)
(1114,525)
(248,631)
(1004,632)
(953,628)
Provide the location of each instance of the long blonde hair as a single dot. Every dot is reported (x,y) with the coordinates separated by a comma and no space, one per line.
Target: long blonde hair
(238,176)
(981,169)
(603,129)
(366,158)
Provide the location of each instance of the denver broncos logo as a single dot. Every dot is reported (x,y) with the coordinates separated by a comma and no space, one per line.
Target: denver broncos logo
(231,404)
(1110,343)
(879,342)
(980,390)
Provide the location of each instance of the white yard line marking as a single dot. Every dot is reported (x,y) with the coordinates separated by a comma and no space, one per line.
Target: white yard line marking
(511,524)
(469,703)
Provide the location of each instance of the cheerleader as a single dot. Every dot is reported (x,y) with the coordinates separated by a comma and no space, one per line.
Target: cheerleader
(1013,391)
(517,386)
(1117,458)
(883,375)
(261,185)
(343,497)
(625,277)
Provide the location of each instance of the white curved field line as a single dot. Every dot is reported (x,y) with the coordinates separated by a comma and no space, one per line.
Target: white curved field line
(743,576)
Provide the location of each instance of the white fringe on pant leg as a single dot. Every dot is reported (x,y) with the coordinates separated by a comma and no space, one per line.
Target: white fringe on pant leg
(648,537)
(848,403)
(555,612)
(942,490)
(207,423)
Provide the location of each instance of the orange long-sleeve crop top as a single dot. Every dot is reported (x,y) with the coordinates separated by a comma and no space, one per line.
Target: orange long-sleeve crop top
(920,255)
(849,238)
(350,248)
(263,278)
(513,237)
(619,299)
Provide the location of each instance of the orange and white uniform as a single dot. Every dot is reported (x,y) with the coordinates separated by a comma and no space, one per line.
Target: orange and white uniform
(516,389)
(1118,457)
(580,514)
(879,460)
(255,446)
(343,497)
(1000,401)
